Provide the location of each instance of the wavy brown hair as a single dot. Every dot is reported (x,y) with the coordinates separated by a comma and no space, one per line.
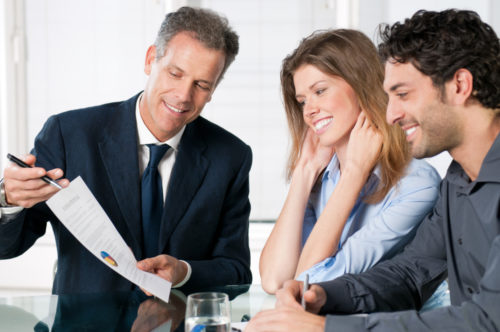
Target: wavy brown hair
(350,55)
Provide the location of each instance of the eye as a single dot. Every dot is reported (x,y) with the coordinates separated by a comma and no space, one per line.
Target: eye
(203,86)
(174,74)
(319,91)
(301,103)
(402,95)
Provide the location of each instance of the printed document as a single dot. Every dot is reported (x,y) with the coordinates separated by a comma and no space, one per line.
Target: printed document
(77,208)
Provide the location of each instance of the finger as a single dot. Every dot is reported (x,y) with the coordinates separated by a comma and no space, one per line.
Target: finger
(315,298)
(312,297)
(33,188)
(152,263)
(55,173)
(13,185)
(289,295)
(146,292)
(367,123)
(29,159)
(28,193)
(144,265)
(12,171)
(360,121)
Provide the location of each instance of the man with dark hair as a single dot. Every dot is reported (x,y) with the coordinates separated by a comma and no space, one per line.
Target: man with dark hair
(441,76)
(174,184)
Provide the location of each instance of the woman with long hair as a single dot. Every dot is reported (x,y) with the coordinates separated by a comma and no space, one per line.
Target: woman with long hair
(355,195)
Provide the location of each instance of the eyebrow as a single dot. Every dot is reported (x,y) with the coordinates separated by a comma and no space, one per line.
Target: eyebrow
(396,86)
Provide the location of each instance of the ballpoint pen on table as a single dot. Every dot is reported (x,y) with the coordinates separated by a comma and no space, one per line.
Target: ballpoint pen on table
(304,290)
(21,163)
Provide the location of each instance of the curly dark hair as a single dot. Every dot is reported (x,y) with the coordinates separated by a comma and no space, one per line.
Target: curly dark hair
(207,26)
(440,43)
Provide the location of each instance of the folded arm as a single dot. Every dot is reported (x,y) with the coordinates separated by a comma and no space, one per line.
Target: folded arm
(478,314)
(388,228)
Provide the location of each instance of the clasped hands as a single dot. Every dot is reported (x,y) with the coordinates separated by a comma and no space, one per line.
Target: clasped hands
(289,315)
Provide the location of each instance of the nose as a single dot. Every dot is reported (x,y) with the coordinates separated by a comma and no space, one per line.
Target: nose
(394,113)
(184,91)
(310,109)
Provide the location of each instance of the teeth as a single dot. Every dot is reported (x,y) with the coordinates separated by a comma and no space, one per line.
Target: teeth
(175,109)
(410,131)
(322,123)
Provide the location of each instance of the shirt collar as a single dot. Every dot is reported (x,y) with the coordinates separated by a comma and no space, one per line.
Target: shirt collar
(491,164)
(334,167)
(146,137)
(487,173)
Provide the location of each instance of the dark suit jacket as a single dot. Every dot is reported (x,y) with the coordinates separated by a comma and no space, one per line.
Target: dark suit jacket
(205,220)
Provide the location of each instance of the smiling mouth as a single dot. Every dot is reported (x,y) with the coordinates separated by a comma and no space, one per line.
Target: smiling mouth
(410,131)
(175,109)
(322,124)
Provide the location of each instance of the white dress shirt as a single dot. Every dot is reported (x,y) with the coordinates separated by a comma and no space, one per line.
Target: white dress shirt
(144,137)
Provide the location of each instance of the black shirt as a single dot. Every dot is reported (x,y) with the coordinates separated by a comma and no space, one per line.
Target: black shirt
(459,238)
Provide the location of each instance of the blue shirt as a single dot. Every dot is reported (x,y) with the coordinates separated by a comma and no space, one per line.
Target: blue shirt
(372,232)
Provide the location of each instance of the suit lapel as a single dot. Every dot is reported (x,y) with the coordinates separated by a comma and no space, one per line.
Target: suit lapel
(118,150)
(187,175)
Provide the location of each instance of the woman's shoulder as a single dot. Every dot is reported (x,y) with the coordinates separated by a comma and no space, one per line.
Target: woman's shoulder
(418,189)
(421,170)
(420,180)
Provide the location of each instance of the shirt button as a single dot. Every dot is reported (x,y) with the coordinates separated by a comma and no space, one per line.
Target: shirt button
(470,290)
(460,241)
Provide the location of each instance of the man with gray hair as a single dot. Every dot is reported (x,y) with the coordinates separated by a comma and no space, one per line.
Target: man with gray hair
(174,184)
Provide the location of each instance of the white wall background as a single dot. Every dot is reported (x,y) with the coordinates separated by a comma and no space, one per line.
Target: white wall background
(74,53)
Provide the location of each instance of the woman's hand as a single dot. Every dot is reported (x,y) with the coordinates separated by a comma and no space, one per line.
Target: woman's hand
(313,155)
(363,149)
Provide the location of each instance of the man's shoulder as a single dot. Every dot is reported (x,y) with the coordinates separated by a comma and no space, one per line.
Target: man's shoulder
(92,113)
(214,135)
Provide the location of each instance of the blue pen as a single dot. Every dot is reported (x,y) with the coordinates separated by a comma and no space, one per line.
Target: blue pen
(22,164)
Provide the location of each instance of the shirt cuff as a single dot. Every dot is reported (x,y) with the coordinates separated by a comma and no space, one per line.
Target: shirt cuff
(354,323)
(186,278)
(10,211)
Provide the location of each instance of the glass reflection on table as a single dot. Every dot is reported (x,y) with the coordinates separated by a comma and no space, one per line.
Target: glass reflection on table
(118,311)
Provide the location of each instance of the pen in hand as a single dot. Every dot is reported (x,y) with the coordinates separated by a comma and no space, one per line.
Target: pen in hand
(21,163)
(304,290)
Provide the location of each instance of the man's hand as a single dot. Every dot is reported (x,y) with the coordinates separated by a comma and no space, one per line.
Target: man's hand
(291,293)
(23,186)
(286,319)
(166,267)
(154,313)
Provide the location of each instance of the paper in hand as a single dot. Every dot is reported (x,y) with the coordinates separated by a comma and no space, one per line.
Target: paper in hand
(80,212)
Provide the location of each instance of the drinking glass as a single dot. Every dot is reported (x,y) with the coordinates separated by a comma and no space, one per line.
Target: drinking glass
(208,312)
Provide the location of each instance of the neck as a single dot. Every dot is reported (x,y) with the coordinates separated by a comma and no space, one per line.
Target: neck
(340,150)
(480,131)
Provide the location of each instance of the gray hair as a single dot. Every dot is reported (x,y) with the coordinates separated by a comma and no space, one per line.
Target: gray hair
(210,28)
